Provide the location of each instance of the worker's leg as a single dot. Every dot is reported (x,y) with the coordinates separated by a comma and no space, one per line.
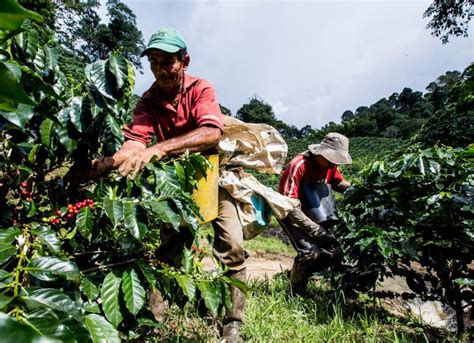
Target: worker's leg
(228,248)
(308,239)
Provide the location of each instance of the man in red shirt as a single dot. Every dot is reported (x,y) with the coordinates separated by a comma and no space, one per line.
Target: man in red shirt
(316,247)
(182,112)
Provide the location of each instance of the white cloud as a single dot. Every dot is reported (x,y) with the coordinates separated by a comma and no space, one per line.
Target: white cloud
(279,108)
(317,58)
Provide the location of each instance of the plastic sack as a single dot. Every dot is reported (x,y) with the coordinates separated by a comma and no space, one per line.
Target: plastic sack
(255,202)
(254,146)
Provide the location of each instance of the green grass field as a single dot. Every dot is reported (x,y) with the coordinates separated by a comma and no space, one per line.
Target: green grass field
(274,314)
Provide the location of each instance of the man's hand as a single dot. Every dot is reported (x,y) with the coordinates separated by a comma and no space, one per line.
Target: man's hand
(136,162)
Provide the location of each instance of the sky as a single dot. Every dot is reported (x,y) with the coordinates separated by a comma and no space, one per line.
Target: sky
(310,60)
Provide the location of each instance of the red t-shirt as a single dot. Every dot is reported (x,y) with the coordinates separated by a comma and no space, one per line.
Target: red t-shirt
(303,169)
(154,115)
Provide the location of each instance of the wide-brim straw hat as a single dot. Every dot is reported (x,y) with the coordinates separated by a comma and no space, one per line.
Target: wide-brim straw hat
(334,147)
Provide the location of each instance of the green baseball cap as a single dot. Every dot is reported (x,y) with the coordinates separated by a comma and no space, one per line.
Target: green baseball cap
(165,39)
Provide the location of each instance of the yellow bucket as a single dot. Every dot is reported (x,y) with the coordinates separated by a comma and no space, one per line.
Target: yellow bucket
(206,194)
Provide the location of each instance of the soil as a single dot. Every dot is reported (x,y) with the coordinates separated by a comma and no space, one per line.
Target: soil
(261,265)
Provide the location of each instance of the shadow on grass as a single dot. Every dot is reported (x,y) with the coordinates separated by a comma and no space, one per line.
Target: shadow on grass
(324,314)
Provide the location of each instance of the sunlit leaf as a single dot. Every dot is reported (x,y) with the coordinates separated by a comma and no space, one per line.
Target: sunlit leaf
(8,235)
(89,288)
(47,237)
(118,67)
(148,273)
(164,212)
(187,284)
(20,117)
(49,268)
(187,261)
(211,294)
(51,325)
(134,293)
(114,210)
(96,75)
(51,298)
(109,295)
(84,222)
(131,222)
(101,330)
(113,136)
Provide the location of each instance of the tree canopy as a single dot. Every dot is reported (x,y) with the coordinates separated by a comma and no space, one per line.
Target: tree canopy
(449,18)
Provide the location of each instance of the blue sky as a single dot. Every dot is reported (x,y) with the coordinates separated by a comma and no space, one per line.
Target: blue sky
(311,60)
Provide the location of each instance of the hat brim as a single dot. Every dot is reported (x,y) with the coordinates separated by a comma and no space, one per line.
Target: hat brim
(160,46)
(333,156)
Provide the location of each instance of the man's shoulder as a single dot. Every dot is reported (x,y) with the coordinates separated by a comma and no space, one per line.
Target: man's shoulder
(300,159)
(195,82)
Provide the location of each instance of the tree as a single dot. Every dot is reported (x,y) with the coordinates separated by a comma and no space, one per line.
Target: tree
(97,40)
(347,116)
(438,90)
(454,125)
(449,18)
(307,131)
(256,111)
(225,110)
(83,38)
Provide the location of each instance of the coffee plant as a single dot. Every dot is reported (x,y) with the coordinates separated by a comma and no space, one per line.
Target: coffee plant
(77,261)
(414,217)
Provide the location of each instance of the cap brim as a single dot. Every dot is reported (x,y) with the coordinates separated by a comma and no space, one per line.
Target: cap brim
(333,156)
(160,46)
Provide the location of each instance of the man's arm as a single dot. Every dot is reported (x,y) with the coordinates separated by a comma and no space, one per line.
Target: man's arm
(197,140)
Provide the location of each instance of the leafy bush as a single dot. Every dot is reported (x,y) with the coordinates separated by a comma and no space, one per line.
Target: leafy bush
(76,262)
(417,208)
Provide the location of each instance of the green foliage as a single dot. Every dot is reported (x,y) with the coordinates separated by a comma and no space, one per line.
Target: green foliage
(12,15)
(415,208)
(454,125)
(449,18)
(257,111)
(365,150)
(83,273)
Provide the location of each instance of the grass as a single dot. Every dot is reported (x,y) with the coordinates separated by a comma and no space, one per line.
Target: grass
(273,314)
(269,245)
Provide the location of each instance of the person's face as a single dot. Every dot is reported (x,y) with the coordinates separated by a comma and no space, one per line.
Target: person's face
(168,69)
(323,162)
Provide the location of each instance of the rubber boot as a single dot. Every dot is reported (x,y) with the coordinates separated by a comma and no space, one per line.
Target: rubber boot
(234,317)
(299,278)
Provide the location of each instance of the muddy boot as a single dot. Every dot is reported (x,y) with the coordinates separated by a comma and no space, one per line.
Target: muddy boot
(299,278)
(233,318)
(158,305)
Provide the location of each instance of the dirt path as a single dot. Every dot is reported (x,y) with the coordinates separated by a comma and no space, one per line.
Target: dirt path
(261,266)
